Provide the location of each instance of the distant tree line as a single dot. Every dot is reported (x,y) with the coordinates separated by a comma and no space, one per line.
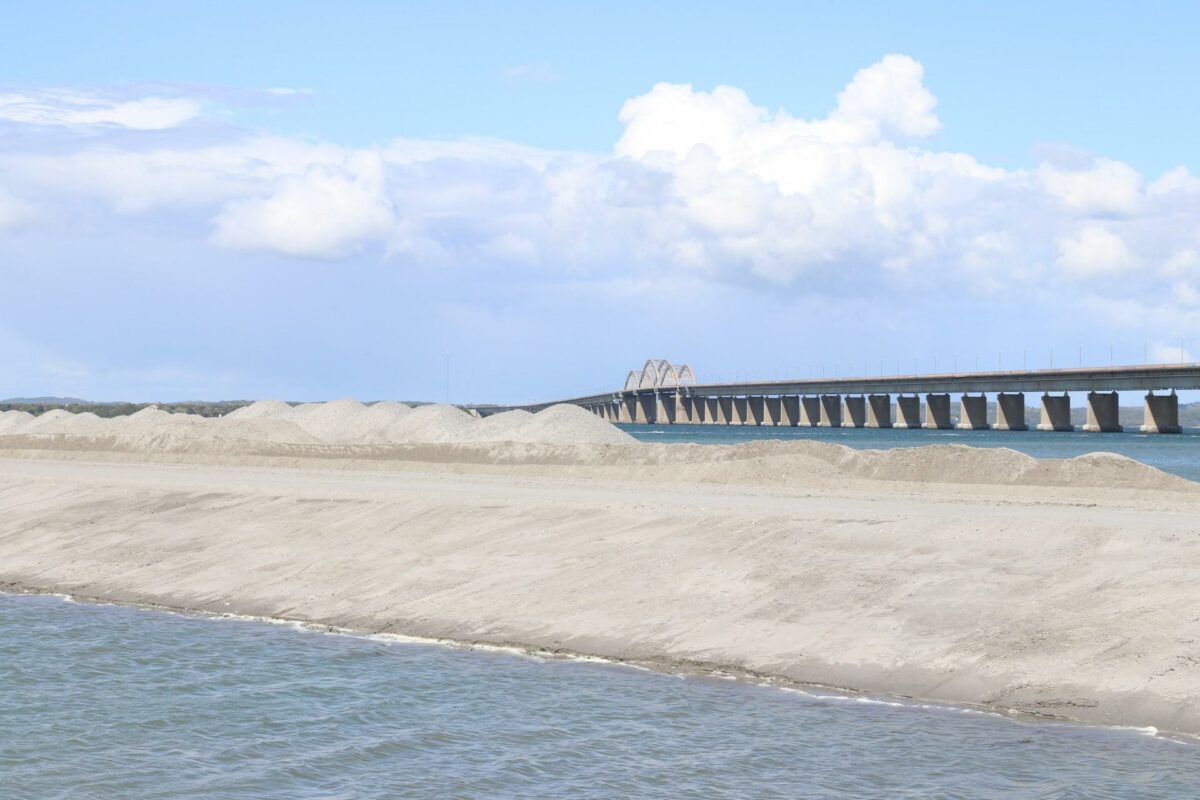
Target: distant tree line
(201,408)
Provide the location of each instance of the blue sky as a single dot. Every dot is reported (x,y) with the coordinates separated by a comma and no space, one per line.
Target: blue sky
(283,199)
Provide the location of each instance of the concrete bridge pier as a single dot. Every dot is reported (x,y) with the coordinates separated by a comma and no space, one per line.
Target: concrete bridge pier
(693,409)
(756,409)
(1010,412)
(664,409)
(810,411)
(625,409)
(1161,413)
(683,409)
(854,411)
(1103,413)
(831,411)
(741,411)
(908,411)
(972,413)
(1056,413)
(937,412)
(710,410)
(879,411)
(725,411)
(790,406)
(773,411)
(646,411)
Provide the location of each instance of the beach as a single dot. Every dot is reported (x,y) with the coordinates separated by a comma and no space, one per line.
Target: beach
(951,574)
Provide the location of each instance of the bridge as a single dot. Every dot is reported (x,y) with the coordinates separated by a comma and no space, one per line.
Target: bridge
(666,393)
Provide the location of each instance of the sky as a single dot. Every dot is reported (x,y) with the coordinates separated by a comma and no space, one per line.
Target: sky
(523,201)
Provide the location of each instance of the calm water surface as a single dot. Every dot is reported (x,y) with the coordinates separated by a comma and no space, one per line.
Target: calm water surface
(1176,453)
(114,702)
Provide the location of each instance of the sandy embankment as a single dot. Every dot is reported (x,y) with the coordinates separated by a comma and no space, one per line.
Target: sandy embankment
(947,573)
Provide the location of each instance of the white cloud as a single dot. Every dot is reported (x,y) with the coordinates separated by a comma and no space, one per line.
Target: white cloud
(74,109)
(1178,180)
(701,184)
(1106,187)
(13,211)
(890,96)
(325,213)
(1093,250)
(1182,262)
(1163,353)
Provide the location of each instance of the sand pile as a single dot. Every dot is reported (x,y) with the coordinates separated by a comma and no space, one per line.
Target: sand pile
(13,421)
(435,424)
(340,422)
(261,408)
(348,421)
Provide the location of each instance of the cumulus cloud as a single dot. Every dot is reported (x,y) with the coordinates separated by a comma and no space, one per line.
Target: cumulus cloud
(1093,251)
(324,213)
(76,109)
(1106,187)
(701,183)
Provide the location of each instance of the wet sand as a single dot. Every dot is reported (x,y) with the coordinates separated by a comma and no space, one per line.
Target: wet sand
(1073,600)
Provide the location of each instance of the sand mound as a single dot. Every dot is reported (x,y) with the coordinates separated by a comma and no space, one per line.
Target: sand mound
(13,421)
(348,421)
(501,427)
(433,424)
(953,463)
(260,408)
(340,422)
(566,424)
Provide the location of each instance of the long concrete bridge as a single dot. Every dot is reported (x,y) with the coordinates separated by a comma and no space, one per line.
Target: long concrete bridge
(665,393)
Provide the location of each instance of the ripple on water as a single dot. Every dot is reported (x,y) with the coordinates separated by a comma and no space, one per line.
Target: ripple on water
(106,701)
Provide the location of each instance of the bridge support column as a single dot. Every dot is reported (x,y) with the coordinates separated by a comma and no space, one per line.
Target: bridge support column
(773,411)
(810,412)
(741,411)
(725,411)
(1010,412)
(972,413)
(711,410)
(1103,413)
(937,412)
(683,409)
(908,411)
(755,410)
(1161,413)
(831,411)
(1056,413)
(879,411)
(626,409)
(646,409)
(791,411)
(664,409)
(854,411)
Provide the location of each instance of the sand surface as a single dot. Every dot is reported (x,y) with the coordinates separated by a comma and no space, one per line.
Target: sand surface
(946,573)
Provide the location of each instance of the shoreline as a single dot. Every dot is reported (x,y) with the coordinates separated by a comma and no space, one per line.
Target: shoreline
(664,667)
(1046,601)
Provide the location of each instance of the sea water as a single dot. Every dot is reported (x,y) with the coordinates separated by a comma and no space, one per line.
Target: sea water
(115,702)
(1176,453)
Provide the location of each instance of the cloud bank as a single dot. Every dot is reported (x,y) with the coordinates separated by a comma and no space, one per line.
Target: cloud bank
(702,184)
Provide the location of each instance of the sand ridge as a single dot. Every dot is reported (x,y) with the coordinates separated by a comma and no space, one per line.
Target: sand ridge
(1065,601)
